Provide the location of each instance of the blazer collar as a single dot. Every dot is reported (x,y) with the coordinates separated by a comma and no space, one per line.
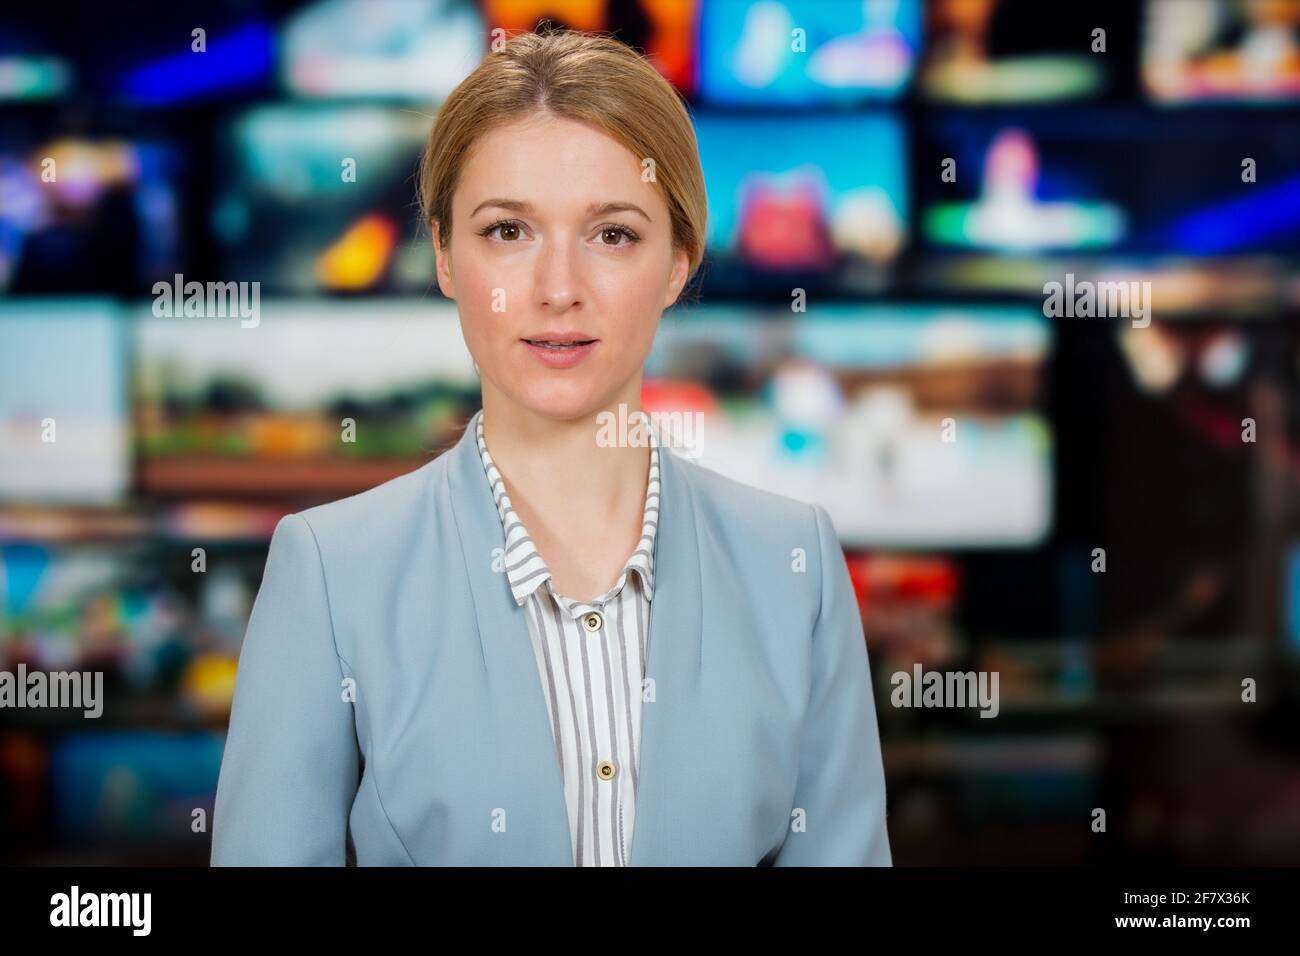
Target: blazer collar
(673,653)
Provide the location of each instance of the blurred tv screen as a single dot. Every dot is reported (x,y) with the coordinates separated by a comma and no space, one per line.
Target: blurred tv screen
(1017,51)
(765,53)
(1208,51)
(914,425)
(809,200)
(1187,186)
(127,787)
(64,434)
(321,198)
(262,410)
(93,214)
(401,49)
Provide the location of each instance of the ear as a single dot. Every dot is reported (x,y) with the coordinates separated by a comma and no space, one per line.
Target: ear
(677,280)
(443,259)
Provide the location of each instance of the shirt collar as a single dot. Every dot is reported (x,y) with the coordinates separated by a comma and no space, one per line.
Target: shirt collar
(527,571)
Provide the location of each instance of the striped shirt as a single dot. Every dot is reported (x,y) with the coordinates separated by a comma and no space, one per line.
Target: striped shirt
(591,661)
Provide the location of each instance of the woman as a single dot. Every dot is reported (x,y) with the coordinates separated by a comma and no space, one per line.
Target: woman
(556,644)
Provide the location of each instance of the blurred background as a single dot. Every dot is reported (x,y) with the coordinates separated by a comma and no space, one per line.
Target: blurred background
(925,301)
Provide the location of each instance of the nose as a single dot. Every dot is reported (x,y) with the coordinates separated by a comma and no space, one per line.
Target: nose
(557,279)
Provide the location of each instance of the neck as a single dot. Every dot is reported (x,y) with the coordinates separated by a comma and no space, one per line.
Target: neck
(555,467)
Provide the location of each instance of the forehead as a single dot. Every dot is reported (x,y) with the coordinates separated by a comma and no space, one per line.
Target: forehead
(551,160)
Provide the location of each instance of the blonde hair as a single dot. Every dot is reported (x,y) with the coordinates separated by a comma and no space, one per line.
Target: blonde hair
(582,76)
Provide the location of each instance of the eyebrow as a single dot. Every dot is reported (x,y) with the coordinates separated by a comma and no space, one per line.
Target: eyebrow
(595,209)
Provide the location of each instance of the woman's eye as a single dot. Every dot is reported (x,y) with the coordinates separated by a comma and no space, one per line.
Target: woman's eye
(616,233)
(509,230)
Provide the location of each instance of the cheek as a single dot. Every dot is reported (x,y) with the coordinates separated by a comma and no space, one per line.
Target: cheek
(633,330)
(629,294)
(479,288)
(638,303)
(486,301)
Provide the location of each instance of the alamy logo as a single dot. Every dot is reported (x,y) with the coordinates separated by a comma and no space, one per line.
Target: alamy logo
(102,909)
(210,300)
(74,689)
(950,689)
(681,431)
(1086,299)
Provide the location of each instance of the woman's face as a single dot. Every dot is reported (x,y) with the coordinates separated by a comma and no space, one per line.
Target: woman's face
(555,235)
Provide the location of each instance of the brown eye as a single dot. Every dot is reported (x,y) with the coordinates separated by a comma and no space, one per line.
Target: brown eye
(503,224)
(618,232)
(509,227)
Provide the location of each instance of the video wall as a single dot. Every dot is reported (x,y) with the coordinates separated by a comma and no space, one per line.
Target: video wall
(891,183)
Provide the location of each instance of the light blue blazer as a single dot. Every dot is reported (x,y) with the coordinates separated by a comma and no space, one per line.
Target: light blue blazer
(387,708)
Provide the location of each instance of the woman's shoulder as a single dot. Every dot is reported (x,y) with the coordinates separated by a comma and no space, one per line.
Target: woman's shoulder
(375,512)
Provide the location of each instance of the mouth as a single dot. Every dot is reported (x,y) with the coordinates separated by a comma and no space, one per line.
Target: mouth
(561,350)
(560,343)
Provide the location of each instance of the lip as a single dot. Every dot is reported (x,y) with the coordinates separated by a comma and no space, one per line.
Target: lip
(560,358)
(563,335)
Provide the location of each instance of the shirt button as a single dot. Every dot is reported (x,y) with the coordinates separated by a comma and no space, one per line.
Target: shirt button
(605,770)
(591,621)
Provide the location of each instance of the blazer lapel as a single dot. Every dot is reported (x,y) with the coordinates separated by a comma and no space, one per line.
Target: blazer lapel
(673,663)
(507,651)
(673,655)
